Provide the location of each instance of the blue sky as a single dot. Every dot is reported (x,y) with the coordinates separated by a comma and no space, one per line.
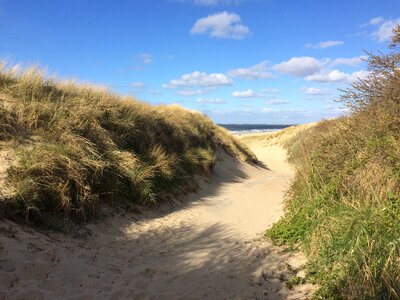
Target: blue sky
(238,61)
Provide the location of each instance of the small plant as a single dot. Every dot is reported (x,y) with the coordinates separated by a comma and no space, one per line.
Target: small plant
(295,280)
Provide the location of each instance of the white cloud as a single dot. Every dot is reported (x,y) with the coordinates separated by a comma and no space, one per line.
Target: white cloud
(384,30)
(328,76)
(313,91)
(137,85)
(336,76)
(253,72)
(299,66)
(224,25)
(210,101)
(321,70)
(154,92)
(190,93)
(244,94)
(324,45)
(338,110)
(270,91)
(275,101)
(199,79)
(146,58)
(266,110)
(376,21)
(359,75)
(352,61)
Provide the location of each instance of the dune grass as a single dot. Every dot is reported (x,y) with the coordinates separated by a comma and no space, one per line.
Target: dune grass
(80,145)
(343,207)
(285,137)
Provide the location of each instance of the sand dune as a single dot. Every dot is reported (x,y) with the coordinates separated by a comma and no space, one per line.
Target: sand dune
(210,246)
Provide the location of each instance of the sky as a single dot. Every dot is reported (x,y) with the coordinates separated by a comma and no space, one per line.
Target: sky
(237,61)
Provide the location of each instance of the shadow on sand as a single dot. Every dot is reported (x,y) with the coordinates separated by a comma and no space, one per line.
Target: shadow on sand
(161,254)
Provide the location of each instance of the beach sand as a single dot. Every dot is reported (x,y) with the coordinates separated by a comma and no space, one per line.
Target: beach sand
(208,246)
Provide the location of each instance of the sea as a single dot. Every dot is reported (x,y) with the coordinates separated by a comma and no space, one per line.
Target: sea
(253,128)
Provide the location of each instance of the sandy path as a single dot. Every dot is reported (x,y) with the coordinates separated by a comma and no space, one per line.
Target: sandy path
(209,247)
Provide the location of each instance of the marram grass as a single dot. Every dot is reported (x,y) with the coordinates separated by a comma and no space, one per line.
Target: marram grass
(79,145)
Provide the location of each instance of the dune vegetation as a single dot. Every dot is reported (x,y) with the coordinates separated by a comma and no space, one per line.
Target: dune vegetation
(343,207)
(78,145)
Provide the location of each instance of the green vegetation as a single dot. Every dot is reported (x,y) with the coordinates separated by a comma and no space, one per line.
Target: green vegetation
(343,207)
(295,280)
(80,145)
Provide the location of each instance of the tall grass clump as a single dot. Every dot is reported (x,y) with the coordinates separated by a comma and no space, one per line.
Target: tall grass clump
(79,145)
(343,206)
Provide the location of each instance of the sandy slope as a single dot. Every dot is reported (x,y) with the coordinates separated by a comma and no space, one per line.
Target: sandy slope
(208,247)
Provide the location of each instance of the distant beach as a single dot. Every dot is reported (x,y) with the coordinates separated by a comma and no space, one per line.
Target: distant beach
(253,128)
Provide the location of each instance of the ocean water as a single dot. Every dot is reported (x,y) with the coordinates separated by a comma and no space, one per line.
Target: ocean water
(252,128)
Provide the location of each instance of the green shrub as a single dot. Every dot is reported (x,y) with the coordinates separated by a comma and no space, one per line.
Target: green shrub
(343,206)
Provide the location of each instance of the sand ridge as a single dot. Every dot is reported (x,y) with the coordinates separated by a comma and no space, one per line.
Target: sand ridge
(208,247)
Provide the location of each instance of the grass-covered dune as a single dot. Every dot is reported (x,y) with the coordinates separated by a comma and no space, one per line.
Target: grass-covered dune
(343,206)
(80,145)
